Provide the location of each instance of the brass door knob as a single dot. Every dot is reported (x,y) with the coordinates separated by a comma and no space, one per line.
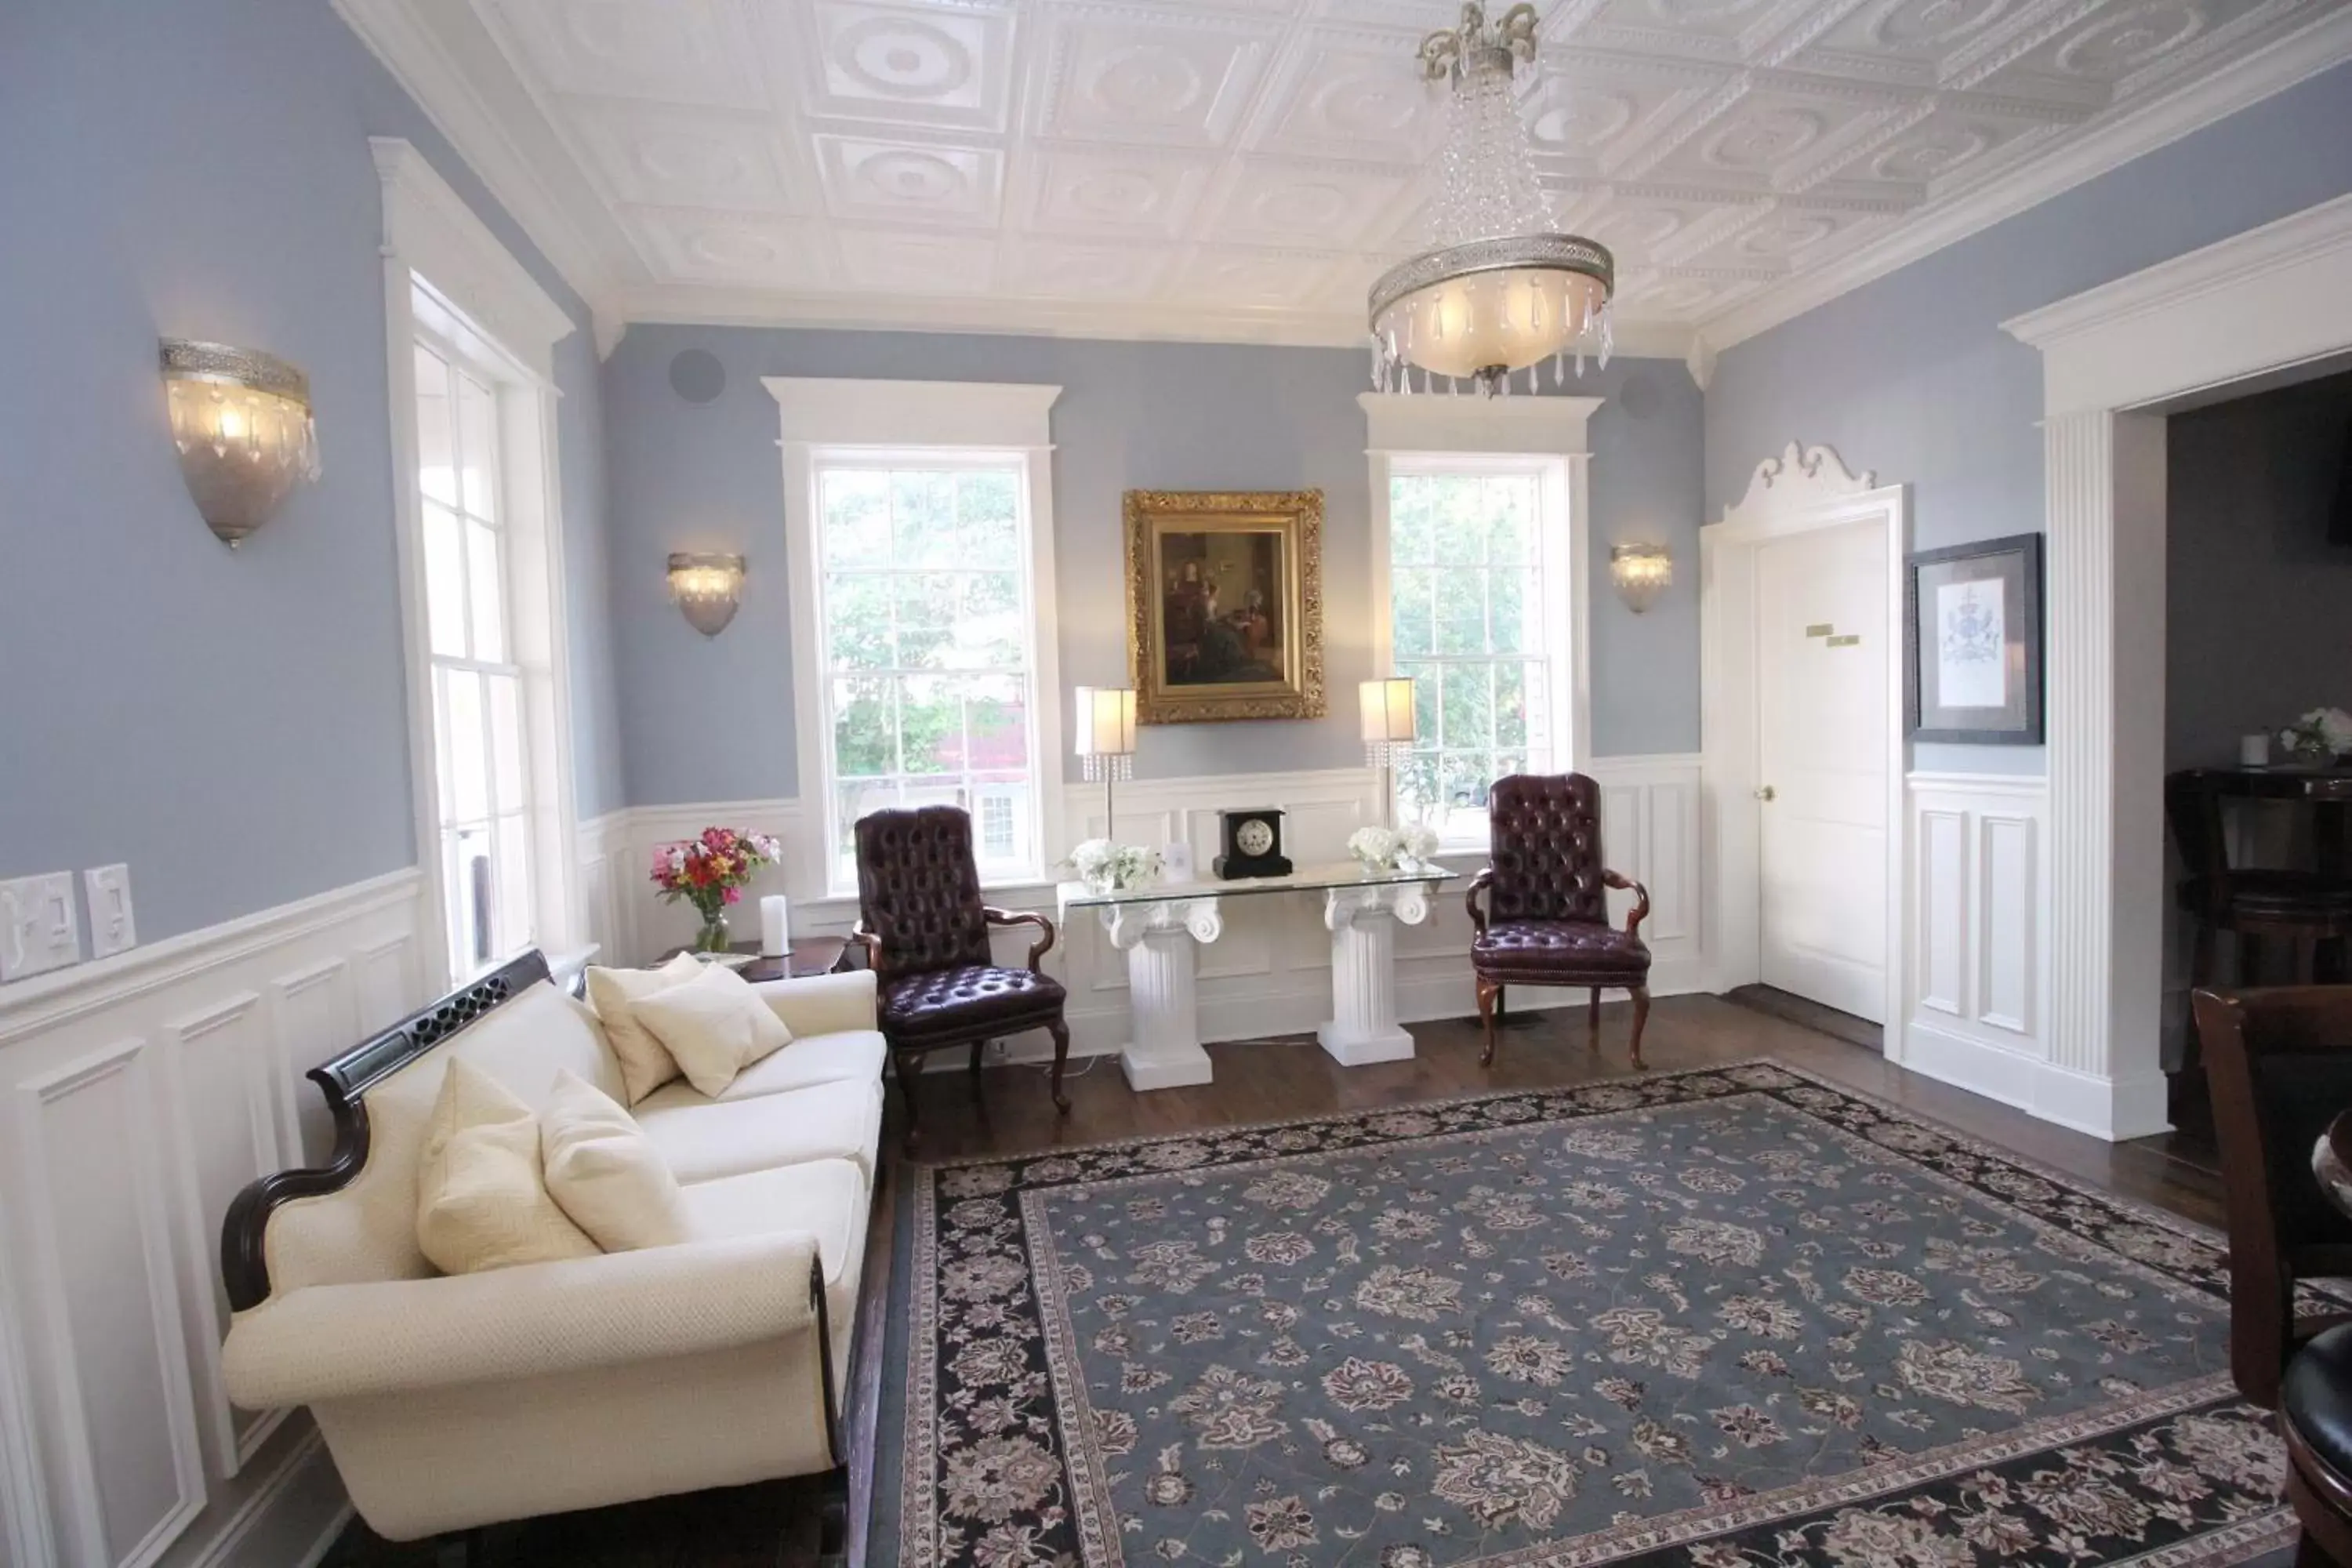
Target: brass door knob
(1767,794)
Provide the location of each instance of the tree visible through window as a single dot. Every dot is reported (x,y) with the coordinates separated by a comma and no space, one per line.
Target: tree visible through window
(477,683)
(1467,623)
(926,642)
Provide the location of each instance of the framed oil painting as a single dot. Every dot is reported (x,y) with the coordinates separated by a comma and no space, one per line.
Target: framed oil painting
(1225,603)
(1972,661)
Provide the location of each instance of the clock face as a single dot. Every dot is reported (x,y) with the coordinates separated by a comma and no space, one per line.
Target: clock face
(1254,837)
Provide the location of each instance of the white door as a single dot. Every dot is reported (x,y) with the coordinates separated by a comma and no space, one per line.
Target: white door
(1821,672)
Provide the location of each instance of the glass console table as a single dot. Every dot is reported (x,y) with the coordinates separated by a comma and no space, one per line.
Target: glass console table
(1159,928)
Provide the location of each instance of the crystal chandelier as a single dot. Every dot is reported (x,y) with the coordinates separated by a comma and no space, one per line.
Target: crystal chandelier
(1501,291)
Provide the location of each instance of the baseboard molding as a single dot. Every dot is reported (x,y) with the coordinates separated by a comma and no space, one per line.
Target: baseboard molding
(1423,999)
(2104,1108)
(294,1516)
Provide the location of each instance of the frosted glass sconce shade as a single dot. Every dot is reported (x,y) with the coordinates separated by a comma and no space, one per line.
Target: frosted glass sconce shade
(708,588)
(1641,573)
(241,423)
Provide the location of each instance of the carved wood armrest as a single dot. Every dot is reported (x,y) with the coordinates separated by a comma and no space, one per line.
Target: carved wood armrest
(861,937)
(1641,910)
(1478,884)
(1038,949)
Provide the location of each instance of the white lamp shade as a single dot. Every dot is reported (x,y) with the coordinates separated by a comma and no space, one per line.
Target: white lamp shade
(1106,721)
(1387,709)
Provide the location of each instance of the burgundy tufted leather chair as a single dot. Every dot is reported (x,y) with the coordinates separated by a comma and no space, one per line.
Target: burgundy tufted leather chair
(926,935)
(1547,920)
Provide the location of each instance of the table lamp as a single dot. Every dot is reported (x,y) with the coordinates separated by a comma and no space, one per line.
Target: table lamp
(1106,742)
(1389,728)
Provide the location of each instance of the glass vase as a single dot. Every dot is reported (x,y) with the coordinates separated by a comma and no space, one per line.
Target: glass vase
(713,937)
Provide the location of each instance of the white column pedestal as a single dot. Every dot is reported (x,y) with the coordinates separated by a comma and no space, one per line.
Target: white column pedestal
(1159,940)
(1362,921)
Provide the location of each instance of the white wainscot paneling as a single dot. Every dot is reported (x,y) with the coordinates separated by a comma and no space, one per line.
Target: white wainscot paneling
(1975,971)
(140,1093)
(1270,971)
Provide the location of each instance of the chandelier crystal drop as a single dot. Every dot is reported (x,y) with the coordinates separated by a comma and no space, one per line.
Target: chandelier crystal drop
(1500,291)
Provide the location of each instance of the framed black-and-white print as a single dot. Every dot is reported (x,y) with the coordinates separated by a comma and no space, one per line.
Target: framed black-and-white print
(1972,658)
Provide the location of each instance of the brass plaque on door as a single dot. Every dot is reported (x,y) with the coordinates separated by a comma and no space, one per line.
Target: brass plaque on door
(1820,630)
(1849,640)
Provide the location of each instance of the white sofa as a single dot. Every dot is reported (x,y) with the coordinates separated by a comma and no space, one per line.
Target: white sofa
(451,1402)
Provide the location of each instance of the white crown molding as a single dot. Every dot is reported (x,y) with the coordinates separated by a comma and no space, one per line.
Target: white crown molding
(422,62)
(2237,86)
(1427,422)
(2279,290)
(714,306)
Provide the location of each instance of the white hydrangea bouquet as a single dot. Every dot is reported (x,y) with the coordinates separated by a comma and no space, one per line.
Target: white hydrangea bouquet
(1107,868)
(2320,734)
(1392,848)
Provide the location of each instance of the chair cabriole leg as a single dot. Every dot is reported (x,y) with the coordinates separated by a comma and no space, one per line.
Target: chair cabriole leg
(1641,995)
(1061,1032)
(907,1064)
(1488,993)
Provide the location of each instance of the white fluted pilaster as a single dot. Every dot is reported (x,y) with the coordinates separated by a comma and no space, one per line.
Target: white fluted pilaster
(2104,615)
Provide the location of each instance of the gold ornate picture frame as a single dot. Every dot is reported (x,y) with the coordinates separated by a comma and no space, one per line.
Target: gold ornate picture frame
(1224,604)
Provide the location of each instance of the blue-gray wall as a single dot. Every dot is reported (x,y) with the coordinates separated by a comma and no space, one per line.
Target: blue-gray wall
(1911,375)
(232,725)
(711,718)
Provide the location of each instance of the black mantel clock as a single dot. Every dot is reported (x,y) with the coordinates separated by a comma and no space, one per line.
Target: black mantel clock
(1253,845)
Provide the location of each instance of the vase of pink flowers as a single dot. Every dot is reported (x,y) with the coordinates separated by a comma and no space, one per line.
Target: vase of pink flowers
(710,873)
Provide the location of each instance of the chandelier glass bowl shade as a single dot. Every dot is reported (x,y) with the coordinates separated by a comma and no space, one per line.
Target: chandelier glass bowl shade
(1500,291)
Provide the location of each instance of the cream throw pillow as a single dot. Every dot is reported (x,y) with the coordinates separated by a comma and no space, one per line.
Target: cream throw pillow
(481,1192)
(614,994)
(715,1025)
(604,1173)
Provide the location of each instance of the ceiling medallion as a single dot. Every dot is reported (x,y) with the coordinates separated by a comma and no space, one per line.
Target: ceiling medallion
(1500,291)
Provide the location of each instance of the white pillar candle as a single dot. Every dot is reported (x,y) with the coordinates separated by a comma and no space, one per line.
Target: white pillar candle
(775,937)
(2254,751)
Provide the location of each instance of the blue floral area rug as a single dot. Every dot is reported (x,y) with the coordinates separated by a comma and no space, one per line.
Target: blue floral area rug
(1736,1318)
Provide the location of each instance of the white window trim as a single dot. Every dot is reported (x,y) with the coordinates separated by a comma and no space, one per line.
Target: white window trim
(1407,428)
(435,243)
(895,416)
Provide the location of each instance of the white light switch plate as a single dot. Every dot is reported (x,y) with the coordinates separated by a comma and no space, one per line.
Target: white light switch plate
(37,930)
(111,929)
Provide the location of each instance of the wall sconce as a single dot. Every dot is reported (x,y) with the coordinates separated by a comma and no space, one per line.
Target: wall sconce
(1641,573)
(708,588)
(1385,709)
(1106,741)
(241,422)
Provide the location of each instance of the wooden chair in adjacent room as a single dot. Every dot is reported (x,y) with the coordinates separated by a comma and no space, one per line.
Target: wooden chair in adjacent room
(2310,910)
(1545,921)
(925,930)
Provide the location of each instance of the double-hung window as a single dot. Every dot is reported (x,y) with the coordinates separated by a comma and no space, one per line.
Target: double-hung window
(1479,618)
(926,628)
(919,517)
(470,337)
(481,741)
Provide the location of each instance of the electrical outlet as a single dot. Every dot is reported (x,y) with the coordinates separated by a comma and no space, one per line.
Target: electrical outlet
(37,930)
(998,1052)
(111,928)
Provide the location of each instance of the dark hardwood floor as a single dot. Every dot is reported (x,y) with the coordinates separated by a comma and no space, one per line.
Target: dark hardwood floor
(1276,1080)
